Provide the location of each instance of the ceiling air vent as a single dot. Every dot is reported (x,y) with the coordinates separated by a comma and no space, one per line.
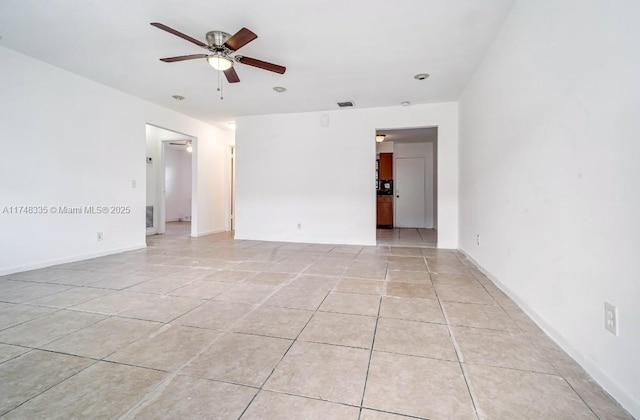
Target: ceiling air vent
(346,104)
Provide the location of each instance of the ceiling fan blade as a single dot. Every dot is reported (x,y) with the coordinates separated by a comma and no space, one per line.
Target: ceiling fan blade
(180,34)
(182,58)
(261,64)
(232,76)
(240,39)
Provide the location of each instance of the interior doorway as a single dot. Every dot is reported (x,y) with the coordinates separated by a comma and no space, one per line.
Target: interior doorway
(414,179)
(171,179)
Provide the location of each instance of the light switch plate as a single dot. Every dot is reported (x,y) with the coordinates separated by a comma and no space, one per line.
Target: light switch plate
(611,318)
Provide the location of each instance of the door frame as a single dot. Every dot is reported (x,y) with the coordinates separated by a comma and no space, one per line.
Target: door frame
(160,172)
(437,202)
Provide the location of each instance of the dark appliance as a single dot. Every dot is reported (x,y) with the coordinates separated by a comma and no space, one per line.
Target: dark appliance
(385,187)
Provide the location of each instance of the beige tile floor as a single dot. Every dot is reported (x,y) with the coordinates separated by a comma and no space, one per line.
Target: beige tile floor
(218,328)
(407,237)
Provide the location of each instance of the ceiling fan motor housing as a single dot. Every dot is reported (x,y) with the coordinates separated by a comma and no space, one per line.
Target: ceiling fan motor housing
(222,45)
(217,38)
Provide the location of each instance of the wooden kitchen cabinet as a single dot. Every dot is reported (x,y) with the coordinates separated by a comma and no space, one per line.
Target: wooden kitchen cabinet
(384,211)
(385,167)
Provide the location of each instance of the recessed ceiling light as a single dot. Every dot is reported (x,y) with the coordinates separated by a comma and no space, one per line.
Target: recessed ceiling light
(421,76)
(280,89)
(405,103)
(178,97)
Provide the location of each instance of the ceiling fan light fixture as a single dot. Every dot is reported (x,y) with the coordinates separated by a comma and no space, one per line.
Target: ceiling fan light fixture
(221,46)
(220,62)
(380,138)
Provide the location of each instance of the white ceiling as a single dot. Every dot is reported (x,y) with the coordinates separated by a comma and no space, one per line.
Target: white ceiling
(334,50)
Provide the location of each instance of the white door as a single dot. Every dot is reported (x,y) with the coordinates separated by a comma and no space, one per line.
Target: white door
(409,193)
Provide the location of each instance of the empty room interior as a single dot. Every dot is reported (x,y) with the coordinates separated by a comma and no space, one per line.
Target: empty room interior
(190,226)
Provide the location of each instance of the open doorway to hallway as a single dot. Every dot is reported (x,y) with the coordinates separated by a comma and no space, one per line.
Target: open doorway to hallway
(171,193)
(406,183)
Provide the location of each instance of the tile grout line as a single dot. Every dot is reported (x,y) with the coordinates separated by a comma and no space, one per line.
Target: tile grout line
(460,357)
(162,385)
(373,341)
(56,384)
(580,396)
(227,247)
(529,338)
(295,340)
(171,375)
(55,310)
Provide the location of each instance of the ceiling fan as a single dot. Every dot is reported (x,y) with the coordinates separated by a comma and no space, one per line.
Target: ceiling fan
(221,46)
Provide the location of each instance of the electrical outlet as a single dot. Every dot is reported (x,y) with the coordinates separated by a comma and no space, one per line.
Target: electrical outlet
(478,239)
(134,184)
(299,226)
(99,235)
(611,318)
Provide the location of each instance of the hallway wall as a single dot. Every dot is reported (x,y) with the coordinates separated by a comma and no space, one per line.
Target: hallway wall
(549,176)
(292,170)
(69,141)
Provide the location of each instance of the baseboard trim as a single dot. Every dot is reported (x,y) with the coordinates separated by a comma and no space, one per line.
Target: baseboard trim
(65,260)
(302,241)
(602,378)
(208,232)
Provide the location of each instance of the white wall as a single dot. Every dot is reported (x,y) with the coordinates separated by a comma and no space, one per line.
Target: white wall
(177,184)
(68,141)
(153,152)
(549,147)
(292,170)
(384,147)
(425,151)
(212,176)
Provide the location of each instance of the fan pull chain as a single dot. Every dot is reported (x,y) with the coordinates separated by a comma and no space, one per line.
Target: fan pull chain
(220,86)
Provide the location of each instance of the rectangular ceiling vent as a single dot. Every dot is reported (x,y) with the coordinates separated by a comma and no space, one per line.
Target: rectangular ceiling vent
(345,104)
